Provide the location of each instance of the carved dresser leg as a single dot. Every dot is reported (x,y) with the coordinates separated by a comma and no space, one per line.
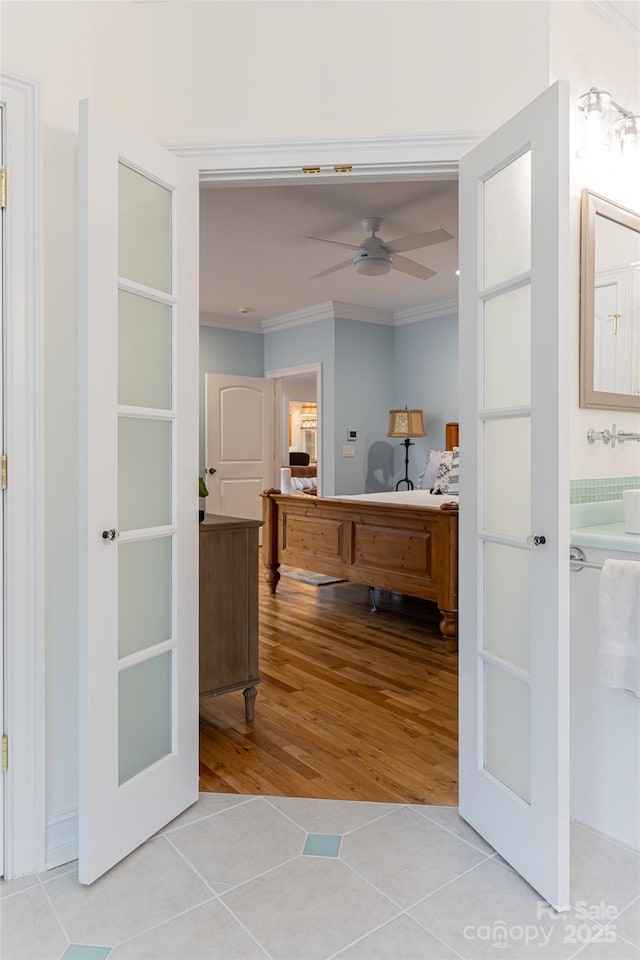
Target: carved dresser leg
(249,703)
(449,630)
(272,575)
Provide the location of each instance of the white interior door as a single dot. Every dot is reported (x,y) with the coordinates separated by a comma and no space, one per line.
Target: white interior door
(138,490)
(514,594)
(2,495)
(240,443)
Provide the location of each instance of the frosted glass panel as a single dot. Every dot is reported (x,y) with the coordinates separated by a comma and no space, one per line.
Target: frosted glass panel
(507,470)
(507,222)
(241,415)
(144,352)
(144,715)
(507,603)
(507,349)
(144,473)
(144,230)
(144,594)
(507,729)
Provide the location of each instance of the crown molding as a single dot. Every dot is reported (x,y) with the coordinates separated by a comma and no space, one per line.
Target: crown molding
(433,155)
(352,311)
(426,311)
(297,318)
(615,15)
(241,323)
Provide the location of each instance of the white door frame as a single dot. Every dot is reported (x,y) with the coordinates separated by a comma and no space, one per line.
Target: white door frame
(24,691)
(313,368)
(429,157)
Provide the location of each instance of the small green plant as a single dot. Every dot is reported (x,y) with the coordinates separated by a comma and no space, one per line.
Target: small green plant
(202,488)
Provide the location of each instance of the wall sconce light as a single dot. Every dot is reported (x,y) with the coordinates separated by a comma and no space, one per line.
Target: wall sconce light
(406,423)
(606,120)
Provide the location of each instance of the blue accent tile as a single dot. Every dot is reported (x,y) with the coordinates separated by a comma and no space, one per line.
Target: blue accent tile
(322,845)
(82,951)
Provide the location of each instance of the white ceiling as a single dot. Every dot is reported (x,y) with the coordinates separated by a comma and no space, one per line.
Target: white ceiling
(253,251)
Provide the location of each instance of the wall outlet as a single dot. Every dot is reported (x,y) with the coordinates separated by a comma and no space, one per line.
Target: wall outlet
(348,451)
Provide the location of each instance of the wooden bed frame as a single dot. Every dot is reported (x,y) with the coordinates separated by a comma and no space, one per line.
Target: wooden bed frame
(411,550)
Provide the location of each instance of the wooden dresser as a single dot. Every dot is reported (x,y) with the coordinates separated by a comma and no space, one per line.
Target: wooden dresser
(229,607)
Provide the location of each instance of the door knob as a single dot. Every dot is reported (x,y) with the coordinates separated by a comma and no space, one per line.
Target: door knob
(109,534)
(536,541)
(212,470)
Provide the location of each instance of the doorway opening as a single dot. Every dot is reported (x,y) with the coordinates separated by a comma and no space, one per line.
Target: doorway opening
(353,705)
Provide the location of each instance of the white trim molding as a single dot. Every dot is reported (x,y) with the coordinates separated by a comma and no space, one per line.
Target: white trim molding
(432,156)
(24,503)
(614,13)
(427,311)
(62,838)
(333,310)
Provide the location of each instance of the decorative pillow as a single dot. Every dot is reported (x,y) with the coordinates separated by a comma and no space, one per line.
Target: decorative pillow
(442,480)
(453,485)
(430,472)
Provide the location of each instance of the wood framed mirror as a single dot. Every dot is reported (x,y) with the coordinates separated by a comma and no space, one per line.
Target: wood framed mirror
(609,305)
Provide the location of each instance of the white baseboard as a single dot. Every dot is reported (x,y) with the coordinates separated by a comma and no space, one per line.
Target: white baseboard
(62,838)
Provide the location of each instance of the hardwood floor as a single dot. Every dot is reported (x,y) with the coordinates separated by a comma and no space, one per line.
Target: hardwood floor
(353,705)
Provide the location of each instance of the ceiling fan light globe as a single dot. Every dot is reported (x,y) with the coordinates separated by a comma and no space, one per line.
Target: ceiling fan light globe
(373,266)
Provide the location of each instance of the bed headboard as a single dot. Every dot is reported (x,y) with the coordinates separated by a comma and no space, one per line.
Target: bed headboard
(451,435)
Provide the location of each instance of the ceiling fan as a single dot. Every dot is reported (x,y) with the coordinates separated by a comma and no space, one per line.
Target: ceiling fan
(373,256)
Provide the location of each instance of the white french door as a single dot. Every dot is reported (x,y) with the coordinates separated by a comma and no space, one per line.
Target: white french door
(240,443)
(514,514)
(138,241)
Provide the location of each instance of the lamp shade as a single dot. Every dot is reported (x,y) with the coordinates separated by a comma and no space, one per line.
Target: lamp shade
(405,423)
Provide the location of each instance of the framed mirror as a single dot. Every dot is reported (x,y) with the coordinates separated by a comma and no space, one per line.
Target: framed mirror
(609,305)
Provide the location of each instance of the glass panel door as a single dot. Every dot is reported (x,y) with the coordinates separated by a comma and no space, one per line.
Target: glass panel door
(139,363)
(513,565)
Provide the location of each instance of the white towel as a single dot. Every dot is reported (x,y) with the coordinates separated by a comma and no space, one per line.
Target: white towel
(619,624)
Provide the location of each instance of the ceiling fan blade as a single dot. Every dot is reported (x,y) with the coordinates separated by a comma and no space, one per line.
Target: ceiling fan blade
(336,243)
(338,266)
(418,240)
(414,269)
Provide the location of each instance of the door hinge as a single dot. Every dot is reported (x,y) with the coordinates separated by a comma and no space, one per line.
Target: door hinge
(4,472)
(3,188)
(5,753)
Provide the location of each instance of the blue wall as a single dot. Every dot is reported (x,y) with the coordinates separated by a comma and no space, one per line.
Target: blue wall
(364,379)
(426,377)
(367,369)
(227,351)
(311,343)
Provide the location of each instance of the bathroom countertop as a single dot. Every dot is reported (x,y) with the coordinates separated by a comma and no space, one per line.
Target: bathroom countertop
(601,526)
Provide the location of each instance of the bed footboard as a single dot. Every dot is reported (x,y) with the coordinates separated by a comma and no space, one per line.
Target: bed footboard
(406,549)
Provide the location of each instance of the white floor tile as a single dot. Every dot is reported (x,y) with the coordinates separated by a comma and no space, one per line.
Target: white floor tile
(309,908)
(206,805)
(207,933)
(450,819)
(628,923)
(8,888)
(331,816)
(486,913)
(29,928)
(406,856)
(239,843)
(151,885)
(601,870)
(401,938)
(618,950)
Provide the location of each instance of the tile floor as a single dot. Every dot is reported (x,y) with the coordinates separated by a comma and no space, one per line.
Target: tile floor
(243,878)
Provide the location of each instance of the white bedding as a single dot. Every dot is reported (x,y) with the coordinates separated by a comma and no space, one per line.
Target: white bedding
(420,498)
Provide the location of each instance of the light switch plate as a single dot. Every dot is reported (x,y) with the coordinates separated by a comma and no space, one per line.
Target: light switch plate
(348,451)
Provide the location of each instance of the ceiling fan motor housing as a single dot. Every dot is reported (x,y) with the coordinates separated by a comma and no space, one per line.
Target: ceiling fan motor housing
(372,258)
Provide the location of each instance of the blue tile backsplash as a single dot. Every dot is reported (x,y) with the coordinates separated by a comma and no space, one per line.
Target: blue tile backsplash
(602,488)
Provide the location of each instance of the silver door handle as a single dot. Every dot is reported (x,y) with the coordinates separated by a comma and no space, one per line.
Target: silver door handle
(534,540)
(109,534)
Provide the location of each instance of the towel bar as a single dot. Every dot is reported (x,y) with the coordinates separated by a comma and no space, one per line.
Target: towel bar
(578,560)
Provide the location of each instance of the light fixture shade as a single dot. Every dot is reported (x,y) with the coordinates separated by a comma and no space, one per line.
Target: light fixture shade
(596,131)
(405,423)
